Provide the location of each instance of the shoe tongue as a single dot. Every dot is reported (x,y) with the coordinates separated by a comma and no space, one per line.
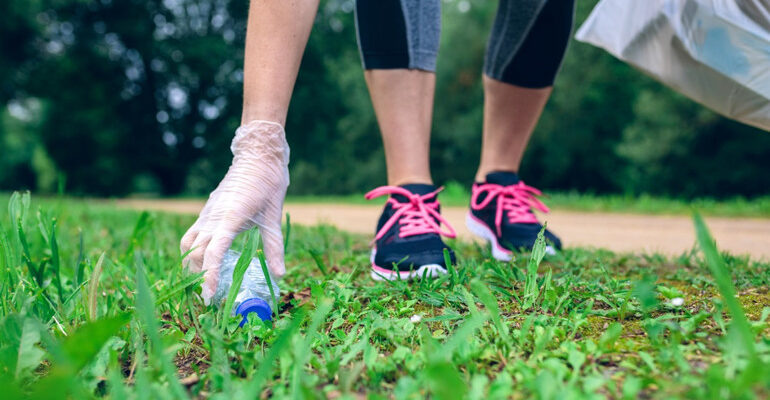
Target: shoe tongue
(416,188)
(503,178)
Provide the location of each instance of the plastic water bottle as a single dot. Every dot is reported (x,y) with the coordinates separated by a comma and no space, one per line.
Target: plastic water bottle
(254,293)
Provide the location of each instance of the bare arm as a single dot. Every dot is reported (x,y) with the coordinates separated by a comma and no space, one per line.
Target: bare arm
(276,36)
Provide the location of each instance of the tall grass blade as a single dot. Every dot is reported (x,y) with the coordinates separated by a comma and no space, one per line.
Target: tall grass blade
(93,288)
(190,280)
(490,303)
(319,262)
(740,326)
(141,228)
(6,255)
(450,267)
(269,280)
(530,287)
(18,206)
(37,272)
(80,265)
(141,380)
(247,253)
(55,260)
(288,233)
(724,284)
(146,314)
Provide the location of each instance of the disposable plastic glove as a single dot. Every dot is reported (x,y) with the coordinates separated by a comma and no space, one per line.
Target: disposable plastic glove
(251,194)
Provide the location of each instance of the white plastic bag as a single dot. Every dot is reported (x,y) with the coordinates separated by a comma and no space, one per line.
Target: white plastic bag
(717,52)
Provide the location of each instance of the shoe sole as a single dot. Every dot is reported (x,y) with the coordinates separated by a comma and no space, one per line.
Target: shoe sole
(383,274)
(499,252)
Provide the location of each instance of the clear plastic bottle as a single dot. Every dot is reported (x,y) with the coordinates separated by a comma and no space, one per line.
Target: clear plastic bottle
(254,293)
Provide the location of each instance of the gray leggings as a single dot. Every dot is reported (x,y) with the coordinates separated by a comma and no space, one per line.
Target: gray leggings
(525,48)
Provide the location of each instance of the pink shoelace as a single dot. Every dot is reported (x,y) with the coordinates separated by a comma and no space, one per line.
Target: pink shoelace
(416,216)
(516,200)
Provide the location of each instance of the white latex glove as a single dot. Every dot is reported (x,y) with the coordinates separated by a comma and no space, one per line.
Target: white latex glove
(251,194)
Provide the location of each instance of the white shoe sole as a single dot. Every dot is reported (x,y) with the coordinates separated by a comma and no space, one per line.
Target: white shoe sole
(500,253)
(382,274)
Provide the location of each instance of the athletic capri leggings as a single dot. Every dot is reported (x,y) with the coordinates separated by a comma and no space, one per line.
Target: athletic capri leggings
(525,48)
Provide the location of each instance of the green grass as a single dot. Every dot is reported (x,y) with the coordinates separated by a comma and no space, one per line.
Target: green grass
(94,303)
(457,195)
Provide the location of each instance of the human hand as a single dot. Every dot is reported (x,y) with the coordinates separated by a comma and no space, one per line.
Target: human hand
(251,194)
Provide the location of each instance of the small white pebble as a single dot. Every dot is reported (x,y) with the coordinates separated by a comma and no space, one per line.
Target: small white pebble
(677,301)
(416,318)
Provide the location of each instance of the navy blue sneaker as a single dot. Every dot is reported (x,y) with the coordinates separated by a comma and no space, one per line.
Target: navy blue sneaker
(501,213)
(408,240)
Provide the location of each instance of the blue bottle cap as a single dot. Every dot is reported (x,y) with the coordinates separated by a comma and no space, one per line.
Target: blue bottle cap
(254,305)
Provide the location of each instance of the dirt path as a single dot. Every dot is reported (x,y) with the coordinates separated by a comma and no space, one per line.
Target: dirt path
(670,235)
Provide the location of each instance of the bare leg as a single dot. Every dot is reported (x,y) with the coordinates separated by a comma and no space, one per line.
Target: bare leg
(403,102)
(276,36)
(510,115)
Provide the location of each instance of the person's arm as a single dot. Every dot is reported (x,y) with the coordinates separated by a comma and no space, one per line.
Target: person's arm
(276,36)
(252,192)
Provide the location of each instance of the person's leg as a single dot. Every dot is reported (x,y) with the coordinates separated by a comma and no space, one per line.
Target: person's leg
(524,54)
(276,36)
(525,50)
(510,115)
(399,43)
(403,103)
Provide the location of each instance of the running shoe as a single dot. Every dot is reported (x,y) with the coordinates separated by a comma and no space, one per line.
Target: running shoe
(408,242)
(502,213)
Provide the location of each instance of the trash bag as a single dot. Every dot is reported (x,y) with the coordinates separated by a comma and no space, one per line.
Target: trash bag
(716,52)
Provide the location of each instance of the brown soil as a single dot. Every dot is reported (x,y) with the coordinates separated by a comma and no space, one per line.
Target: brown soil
(671,235)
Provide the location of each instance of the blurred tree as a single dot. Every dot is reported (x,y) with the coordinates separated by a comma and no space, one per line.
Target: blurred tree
(676,147)
(144,96)
(137,91)
(18,32)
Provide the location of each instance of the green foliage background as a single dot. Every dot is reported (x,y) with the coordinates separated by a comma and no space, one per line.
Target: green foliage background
(114,97)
